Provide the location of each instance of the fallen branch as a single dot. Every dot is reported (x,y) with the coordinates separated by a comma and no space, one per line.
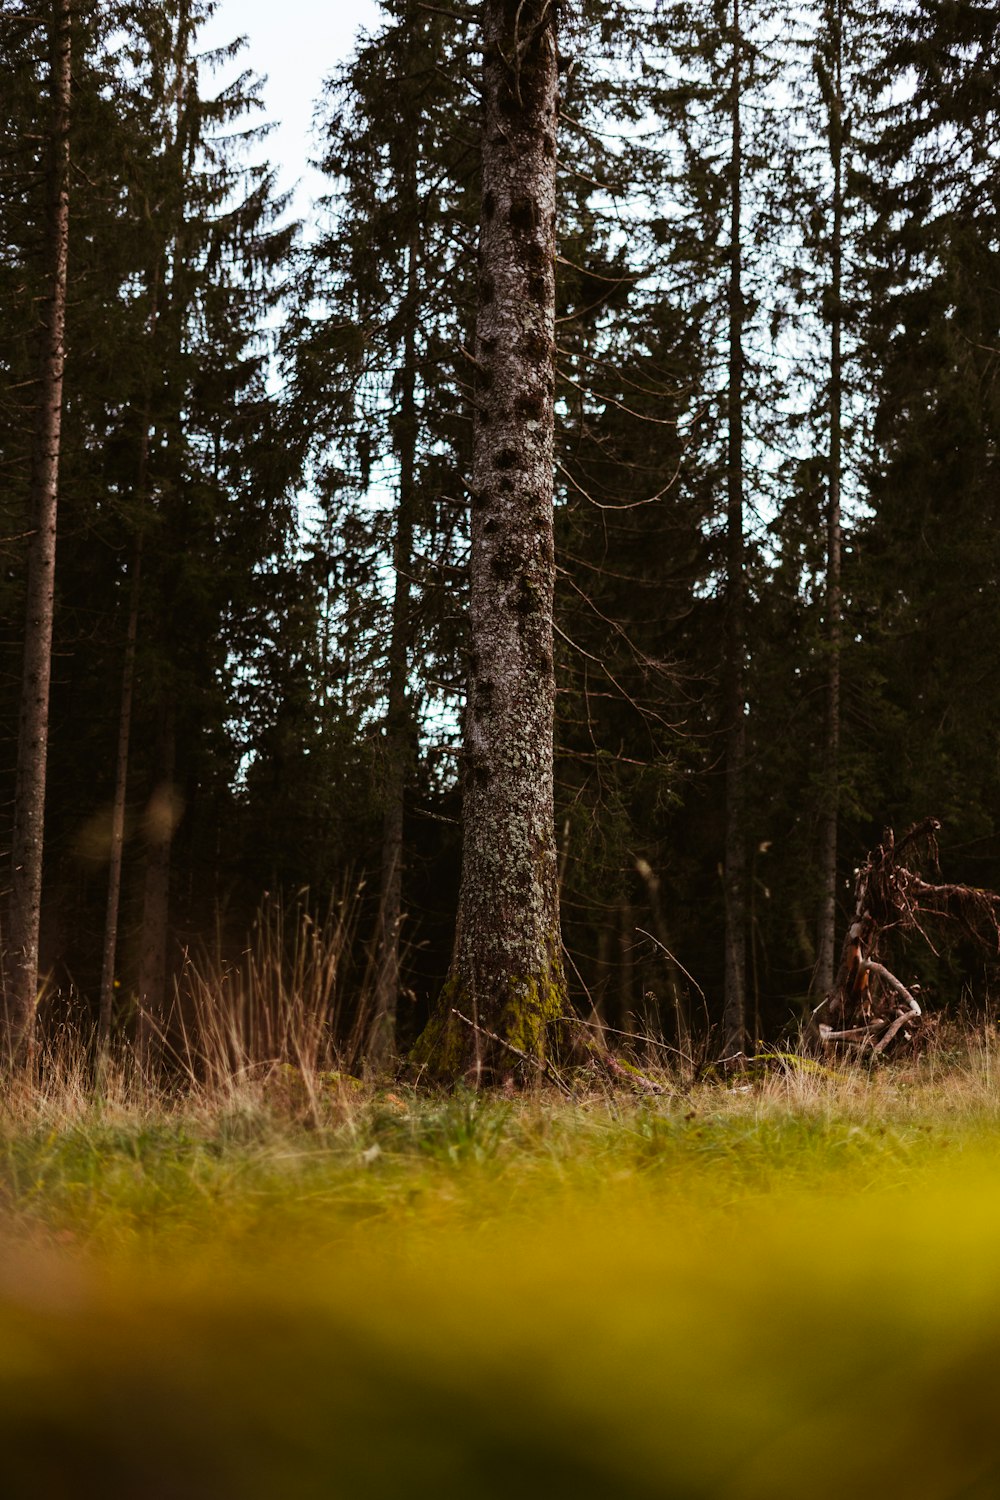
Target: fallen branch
(872,967)
(631,1075)
(892,1032)
(852,1034)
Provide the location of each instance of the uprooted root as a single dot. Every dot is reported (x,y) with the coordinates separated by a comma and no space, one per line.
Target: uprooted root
(869,1007)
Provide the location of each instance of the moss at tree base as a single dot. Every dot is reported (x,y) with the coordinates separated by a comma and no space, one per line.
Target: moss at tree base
(495,1039)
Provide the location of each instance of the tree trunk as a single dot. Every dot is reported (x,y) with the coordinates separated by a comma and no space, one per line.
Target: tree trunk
(831,747)
(626,1017)
(160,825)
(110,949)
(507,975)
(32,748)
(734,684)
(111,920)
(399,735)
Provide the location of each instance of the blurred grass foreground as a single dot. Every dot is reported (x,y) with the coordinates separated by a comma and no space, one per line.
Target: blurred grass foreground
(789,1286)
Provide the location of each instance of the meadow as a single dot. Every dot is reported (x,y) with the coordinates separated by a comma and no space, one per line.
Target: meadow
(783,1284)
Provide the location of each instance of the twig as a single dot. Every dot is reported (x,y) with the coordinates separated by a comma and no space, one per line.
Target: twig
(453,15)
(612,1064)
(542,1064)
(672,959)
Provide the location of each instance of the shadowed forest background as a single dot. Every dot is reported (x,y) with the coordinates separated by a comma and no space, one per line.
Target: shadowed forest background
(777,540)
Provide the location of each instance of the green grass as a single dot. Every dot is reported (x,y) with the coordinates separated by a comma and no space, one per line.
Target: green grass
(788,1288)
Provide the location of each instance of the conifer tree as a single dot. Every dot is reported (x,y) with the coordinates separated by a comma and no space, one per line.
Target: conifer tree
(220,479)
(724,155)
(379,378)
(507,977)
(830,72)
(632,507)
(928,552)
(29,794)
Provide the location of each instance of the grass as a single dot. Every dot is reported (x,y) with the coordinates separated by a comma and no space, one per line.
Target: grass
(303,1286)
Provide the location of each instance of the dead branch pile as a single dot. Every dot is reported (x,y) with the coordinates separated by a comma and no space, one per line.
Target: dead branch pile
(869,1007)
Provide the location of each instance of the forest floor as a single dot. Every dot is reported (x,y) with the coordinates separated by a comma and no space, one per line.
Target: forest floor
(782,1285)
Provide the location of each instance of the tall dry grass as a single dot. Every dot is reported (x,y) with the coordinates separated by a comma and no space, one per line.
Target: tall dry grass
(293,999)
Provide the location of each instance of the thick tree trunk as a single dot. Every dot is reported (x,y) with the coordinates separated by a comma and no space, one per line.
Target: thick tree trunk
(507,976)
(32,748)
(734,683)
(831,755)
(399,732)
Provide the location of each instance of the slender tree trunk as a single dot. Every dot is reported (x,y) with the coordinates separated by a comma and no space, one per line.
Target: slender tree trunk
(110,950)
(160,826)
(507,976)
(682,1031)
(399,726)
(734,687)
(111,921)
(162,811)
(32,749)
(831,758)
(626,967)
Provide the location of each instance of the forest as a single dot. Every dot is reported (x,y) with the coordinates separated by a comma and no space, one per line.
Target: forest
(237,455)
(499,754)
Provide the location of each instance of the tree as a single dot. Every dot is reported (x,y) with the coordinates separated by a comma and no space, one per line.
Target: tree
(734,669)
(724,164)
(378,380)
(219,479)
(21,993)
(507,978)
(929,559)
(830,71)
(635,647)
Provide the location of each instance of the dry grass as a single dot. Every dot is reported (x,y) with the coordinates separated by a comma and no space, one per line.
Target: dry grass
(255,1275)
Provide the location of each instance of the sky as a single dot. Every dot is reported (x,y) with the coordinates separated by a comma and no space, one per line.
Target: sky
(296,43)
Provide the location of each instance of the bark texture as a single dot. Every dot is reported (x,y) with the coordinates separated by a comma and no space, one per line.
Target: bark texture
(507,975)
(21,993)
(734,681)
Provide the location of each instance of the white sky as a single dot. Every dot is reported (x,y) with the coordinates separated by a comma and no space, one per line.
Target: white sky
(296,44)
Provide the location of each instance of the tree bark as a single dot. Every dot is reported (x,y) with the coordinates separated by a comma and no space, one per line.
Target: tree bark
(734,684)
(831,747)
(507,975)
(21,995)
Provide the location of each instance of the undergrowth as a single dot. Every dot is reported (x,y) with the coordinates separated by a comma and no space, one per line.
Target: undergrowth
(295,1282)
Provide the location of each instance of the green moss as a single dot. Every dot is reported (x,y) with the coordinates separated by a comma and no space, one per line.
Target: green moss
(441,1048)
(532,1007)
(448,1048)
